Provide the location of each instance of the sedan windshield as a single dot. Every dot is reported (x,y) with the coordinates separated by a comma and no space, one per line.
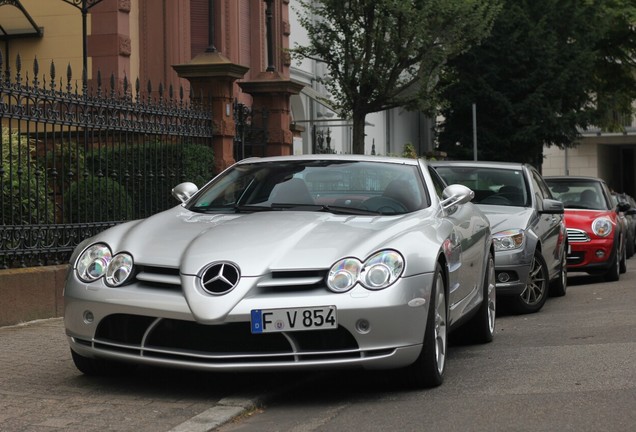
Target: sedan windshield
(347,187)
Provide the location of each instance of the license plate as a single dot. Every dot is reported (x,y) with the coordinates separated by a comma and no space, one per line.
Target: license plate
(284,320)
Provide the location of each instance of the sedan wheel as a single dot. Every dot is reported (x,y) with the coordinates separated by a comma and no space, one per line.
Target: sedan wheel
(535,292)
(428,369)
(560,285)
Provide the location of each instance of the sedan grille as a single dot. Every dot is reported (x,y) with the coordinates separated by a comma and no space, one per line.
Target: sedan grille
(577,236)
(220,345)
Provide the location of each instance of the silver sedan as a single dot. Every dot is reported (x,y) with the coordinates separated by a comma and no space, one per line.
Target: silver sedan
(286,263)
(528,228)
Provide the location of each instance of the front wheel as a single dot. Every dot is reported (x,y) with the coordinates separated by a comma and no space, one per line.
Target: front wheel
(623,263)
(428,369)
(560,285)
(614,271)
(535,292)
(481,327)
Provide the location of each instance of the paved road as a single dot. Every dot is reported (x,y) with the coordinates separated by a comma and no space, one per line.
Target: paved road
(571,367)
(40,390)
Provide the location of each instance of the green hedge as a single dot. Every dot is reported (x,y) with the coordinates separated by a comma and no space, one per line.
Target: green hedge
(97,199)
(25,198)
(148,172)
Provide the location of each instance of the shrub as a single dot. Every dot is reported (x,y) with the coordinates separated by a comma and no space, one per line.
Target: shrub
(25,198)
(149,171)
(97,199)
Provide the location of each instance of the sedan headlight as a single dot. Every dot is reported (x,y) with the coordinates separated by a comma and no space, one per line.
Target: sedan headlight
(379,271)
(508,240)
(97,261)
(602,227)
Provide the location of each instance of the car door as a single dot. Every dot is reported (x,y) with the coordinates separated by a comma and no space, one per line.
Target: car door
(466,249)
(550,228)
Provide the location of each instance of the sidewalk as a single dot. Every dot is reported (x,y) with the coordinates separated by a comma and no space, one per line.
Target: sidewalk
(40,390)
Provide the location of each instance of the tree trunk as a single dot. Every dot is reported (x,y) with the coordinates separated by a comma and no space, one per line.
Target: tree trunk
(358,132)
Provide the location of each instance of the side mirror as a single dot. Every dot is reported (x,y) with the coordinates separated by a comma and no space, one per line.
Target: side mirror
(456,194)
(551,206)
(623,206)
(184,191)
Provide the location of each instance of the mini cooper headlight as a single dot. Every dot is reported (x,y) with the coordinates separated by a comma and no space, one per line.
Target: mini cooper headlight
(93,262)
(378,272)
(602,227)
(119,269)
(97,261)
(508,240)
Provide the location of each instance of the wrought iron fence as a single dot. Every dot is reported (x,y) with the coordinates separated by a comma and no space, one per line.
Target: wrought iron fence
(251,135)
(77,160)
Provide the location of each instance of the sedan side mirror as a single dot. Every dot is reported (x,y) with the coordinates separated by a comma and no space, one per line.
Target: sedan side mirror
(552,206)
(184,191)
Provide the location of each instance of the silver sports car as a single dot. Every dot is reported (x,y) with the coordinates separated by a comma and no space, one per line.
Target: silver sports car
(285,263)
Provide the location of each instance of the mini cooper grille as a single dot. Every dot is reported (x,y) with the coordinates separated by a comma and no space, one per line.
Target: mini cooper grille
(577,236)
(220,277)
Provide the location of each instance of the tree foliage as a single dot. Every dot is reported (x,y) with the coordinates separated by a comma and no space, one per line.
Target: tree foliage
(383,54)
(548,68)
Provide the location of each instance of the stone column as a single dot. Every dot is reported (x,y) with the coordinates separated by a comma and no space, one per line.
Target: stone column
(212,75)
(272,91)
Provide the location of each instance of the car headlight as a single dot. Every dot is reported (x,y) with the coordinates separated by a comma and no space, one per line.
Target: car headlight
(379,271)
(92,263)
(508,240)
(602,227)
(119,269)
(97,261)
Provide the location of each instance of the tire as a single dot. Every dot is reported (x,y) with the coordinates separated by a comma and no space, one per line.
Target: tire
(101,367)
(623,263)
(560,285)
(481,327)
(613,273)
(630,247)
(428,370)
(535,293)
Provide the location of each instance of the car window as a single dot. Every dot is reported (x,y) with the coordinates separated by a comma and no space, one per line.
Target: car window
(492,186)
(438,183)
(315,183)
(585,194)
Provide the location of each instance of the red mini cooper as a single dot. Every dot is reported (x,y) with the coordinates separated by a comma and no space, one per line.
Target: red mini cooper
(596,235)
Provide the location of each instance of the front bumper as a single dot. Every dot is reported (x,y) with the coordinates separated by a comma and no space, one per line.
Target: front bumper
(516,266)
(596,255)
(156,326)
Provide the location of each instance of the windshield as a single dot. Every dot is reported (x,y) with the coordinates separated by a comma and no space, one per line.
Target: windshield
(340,186)
(579,194)
(494,186)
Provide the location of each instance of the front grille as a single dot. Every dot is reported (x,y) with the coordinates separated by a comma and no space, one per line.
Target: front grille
(233,343)
(158,277)
(577,236)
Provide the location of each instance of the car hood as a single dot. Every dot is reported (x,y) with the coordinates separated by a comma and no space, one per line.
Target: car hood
(504,217)
(257,242)
(582,219)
